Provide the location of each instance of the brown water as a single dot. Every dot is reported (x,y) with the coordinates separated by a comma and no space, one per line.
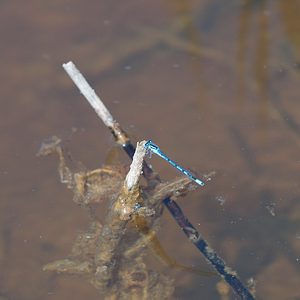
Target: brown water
(214,83)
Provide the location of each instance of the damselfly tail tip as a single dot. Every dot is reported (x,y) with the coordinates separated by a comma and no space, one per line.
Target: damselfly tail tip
(199,182)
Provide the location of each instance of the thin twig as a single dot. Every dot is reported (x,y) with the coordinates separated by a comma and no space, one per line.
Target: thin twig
(101,110)
(230,276)
(89,94)
(131,196)
(122,138)
(133,175)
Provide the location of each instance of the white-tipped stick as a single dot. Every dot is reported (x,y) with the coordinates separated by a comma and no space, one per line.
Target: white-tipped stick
(133,175)
(89,93)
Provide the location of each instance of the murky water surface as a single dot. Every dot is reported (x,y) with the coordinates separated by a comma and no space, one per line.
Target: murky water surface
(214,83)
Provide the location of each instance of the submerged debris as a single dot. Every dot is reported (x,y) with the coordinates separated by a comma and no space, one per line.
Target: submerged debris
(110,255)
